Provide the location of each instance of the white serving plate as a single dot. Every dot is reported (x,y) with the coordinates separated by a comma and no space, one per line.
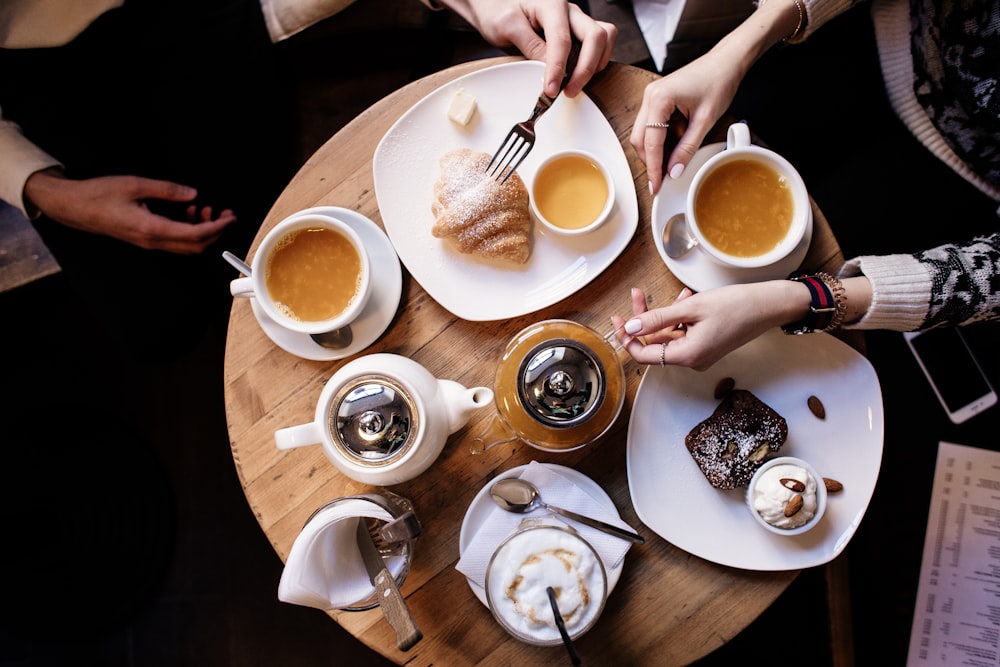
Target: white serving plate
(675,500)
(406,166)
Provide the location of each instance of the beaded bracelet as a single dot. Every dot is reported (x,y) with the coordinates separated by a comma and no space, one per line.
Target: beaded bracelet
(828,306)
(801,24)
(802,18)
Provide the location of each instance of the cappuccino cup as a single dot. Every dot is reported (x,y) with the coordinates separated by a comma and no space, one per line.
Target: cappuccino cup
(747,206)
(310,274)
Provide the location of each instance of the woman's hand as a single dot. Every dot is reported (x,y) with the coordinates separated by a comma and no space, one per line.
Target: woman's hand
(700,92)
(116,206)
(543,30)
(692,99)
(698,329)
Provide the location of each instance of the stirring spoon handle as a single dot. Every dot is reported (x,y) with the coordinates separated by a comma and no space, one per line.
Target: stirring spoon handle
(236,263)
(599,525)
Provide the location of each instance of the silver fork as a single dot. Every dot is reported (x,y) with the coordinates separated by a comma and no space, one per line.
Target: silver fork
(521,138)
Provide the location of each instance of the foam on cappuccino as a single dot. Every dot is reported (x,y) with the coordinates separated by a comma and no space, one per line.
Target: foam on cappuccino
(533,560)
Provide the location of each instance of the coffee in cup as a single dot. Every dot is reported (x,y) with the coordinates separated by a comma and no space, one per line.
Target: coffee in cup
(536,556)
(311,274)
(747,206)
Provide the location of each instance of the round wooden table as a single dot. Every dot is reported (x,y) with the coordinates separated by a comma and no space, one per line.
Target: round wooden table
(669,607)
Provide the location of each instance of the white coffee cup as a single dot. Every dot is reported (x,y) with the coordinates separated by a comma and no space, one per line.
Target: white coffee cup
(747,206)
(349,288)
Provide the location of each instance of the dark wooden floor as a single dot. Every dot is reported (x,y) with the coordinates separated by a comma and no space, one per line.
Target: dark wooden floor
(206,593)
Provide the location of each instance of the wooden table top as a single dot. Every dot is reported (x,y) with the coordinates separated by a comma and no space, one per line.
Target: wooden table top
(669,607)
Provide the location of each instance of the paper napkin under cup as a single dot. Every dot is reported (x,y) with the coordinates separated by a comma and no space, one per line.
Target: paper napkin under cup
(324,568)
(557,490)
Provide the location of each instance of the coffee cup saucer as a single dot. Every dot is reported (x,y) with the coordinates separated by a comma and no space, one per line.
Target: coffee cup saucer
(482,505)
(697,269)
(387,288)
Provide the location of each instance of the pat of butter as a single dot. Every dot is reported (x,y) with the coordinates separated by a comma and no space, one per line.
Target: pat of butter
(462,107)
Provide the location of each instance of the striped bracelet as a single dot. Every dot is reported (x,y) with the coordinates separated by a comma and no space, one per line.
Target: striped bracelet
(828,305)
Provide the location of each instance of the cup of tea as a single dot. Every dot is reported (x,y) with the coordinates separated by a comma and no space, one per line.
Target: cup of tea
(747,206)
(311,274)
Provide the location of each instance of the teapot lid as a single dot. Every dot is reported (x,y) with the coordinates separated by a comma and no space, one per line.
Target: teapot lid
(373,419)
(561,382)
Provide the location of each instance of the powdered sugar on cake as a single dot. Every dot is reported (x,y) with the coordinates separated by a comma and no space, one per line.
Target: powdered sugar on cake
(736,439)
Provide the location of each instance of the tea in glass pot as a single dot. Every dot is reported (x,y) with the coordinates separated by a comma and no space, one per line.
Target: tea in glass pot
(559,386)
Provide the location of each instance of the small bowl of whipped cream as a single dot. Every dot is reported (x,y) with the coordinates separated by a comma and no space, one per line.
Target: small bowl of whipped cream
(786,496)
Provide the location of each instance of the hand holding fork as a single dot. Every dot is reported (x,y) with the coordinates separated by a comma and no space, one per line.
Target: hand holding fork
(521,138)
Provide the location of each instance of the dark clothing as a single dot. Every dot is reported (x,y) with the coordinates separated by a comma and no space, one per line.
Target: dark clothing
(179,90)
(183,91)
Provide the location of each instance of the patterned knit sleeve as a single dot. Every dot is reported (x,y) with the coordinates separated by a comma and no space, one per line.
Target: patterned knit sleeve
(949,285)
(966,281)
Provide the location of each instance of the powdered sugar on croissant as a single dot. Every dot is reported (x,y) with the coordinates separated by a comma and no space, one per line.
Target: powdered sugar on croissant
(479,214)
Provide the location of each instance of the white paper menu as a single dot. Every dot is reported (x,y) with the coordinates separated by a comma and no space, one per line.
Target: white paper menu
(956,620)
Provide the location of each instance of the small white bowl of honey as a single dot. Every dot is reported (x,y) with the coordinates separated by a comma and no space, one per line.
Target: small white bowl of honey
(572,192)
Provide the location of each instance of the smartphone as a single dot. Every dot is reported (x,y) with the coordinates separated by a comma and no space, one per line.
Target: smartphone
(953,371)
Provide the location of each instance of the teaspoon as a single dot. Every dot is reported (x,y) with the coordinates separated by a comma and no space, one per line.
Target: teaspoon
(337,339)
(518,495)
(677,239)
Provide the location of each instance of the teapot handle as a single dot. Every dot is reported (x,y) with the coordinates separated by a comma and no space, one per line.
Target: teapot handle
(298,436)
(495,433)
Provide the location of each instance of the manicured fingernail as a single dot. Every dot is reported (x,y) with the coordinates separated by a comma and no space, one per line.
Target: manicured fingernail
(676,172)
(650,188)
(633,326)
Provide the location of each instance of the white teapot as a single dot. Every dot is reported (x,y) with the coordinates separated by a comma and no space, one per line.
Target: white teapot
(383,418)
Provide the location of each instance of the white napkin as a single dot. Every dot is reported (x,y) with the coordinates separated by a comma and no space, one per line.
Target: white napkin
(324,568)
(658,21)
(557,490)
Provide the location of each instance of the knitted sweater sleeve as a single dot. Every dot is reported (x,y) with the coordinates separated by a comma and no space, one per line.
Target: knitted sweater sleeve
(948,285)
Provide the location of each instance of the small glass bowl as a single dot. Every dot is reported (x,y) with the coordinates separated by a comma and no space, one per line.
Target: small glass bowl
(398,556)
(566,192)
(536,539)
(778,495)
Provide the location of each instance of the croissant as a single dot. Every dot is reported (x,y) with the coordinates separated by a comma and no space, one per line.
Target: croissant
(479,214)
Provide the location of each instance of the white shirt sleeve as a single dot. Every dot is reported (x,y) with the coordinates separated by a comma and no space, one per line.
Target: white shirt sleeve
(19,159)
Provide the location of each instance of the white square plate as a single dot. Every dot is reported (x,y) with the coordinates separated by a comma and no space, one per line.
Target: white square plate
(675,500)
(406,166)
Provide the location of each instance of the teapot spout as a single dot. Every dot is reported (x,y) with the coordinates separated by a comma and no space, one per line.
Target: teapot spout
(461,402)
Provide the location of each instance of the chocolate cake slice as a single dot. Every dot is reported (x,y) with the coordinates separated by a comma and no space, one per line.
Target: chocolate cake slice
(734,440)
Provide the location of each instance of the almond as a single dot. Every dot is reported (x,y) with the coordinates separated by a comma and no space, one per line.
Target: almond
(792,484)
(816,407)
(832,485)
(794,505)
(759,453)
(724,386)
